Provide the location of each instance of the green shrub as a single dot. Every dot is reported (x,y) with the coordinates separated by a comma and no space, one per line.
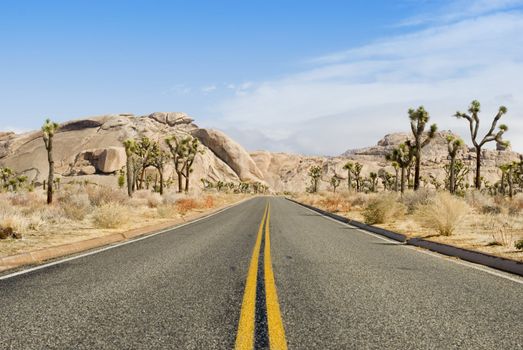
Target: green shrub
(519,244)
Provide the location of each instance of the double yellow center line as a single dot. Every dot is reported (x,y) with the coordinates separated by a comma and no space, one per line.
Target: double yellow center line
(245,338)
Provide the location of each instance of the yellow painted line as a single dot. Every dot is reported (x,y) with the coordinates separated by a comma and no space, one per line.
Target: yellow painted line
(277,339)
(245,335)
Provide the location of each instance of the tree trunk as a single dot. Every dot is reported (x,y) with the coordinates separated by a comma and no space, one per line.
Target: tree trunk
(510,185)
(349,181)
(502,186)
(187,182)
(396,181)
(402,180)
(417,168)
(478,168)
(161,181)
(452,185)
(50,178)
(180,183)
(129,174)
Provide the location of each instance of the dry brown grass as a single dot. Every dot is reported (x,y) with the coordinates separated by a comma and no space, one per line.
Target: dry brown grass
(184,205)
(110,215)
(479,230)
(382,209)
(443,213)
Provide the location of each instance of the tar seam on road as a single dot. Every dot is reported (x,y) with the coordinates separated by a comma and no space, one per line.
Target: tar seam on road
(261,325)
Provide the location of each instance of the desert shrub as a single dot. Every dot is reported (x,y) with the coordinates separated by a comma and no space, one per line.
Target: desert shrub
(110,215)
(166,211)
(100,195)
(184,205)
(502,236)
(478,199)
(13,225)
(150,199)
(23,199)
(208,202)
(519,244)
(330,203)
(357,199)
(491,209)
(382,209)
(413,199)
(76,206)
(170,197)
(443,213)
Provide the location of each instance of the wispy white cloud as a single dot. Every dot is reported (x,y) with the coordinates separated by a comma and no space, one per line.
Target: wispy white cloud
(208,88)
(456,10)
(352,98)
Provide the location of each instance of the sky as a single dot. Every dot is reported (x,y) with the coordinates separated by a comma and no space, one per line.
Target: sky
(311,77)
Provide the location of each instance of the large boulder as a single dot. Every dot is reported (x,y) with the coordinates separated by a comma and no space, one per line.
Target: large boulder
(111,159)
(104,160)
(231,153)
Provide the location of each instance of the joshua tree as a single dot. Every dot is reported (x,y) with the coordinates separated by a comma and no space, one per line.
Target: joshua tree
(143,149)
(349,166)
(402,155)
(335,182)
(373,181)
(5,176)
(121,179)
(418,121)
(454,145)
(49,129)
(507,171)
(356,171)
(386,178)
(490,136)
(192,149)
(315,174)
(157,159)
(130,146)
(178,154)
(461,172)
(396,167)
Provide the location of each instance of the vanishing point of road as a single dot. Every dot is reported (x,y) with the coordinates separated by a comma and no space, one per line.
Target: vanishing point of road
(264,274)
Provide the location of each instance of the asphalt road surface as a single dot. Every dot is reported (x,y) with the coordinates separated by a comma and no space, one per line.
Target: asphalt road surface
(261,276)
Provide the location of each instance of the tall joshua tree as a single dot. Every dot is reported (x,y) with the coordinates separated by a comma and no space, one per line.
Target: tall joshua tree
(454,145)
(349,166)
(314,174)
(356,171)
(373,181)
(49,129)
(157,159)
(402,155)
(192,149)
(396,167)
(129,145)
(178,154)
(418,121)
(490,136)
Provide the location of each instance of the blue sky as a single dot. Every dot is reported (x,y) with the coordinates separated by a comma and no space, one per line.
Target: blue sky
(313,77)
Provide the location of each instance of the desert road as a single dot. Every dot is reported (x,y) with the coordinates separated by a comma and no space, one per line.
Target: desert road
(266,273)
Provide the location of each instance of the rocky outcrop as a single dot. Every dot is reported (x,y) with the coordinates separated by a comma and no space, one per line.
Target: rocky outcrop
(288,172)
(91,149)
(231,153)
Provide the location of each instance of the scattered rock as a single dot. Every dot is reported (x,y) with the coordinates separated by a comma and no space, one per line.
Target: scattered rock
(87,170)
(6,232)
